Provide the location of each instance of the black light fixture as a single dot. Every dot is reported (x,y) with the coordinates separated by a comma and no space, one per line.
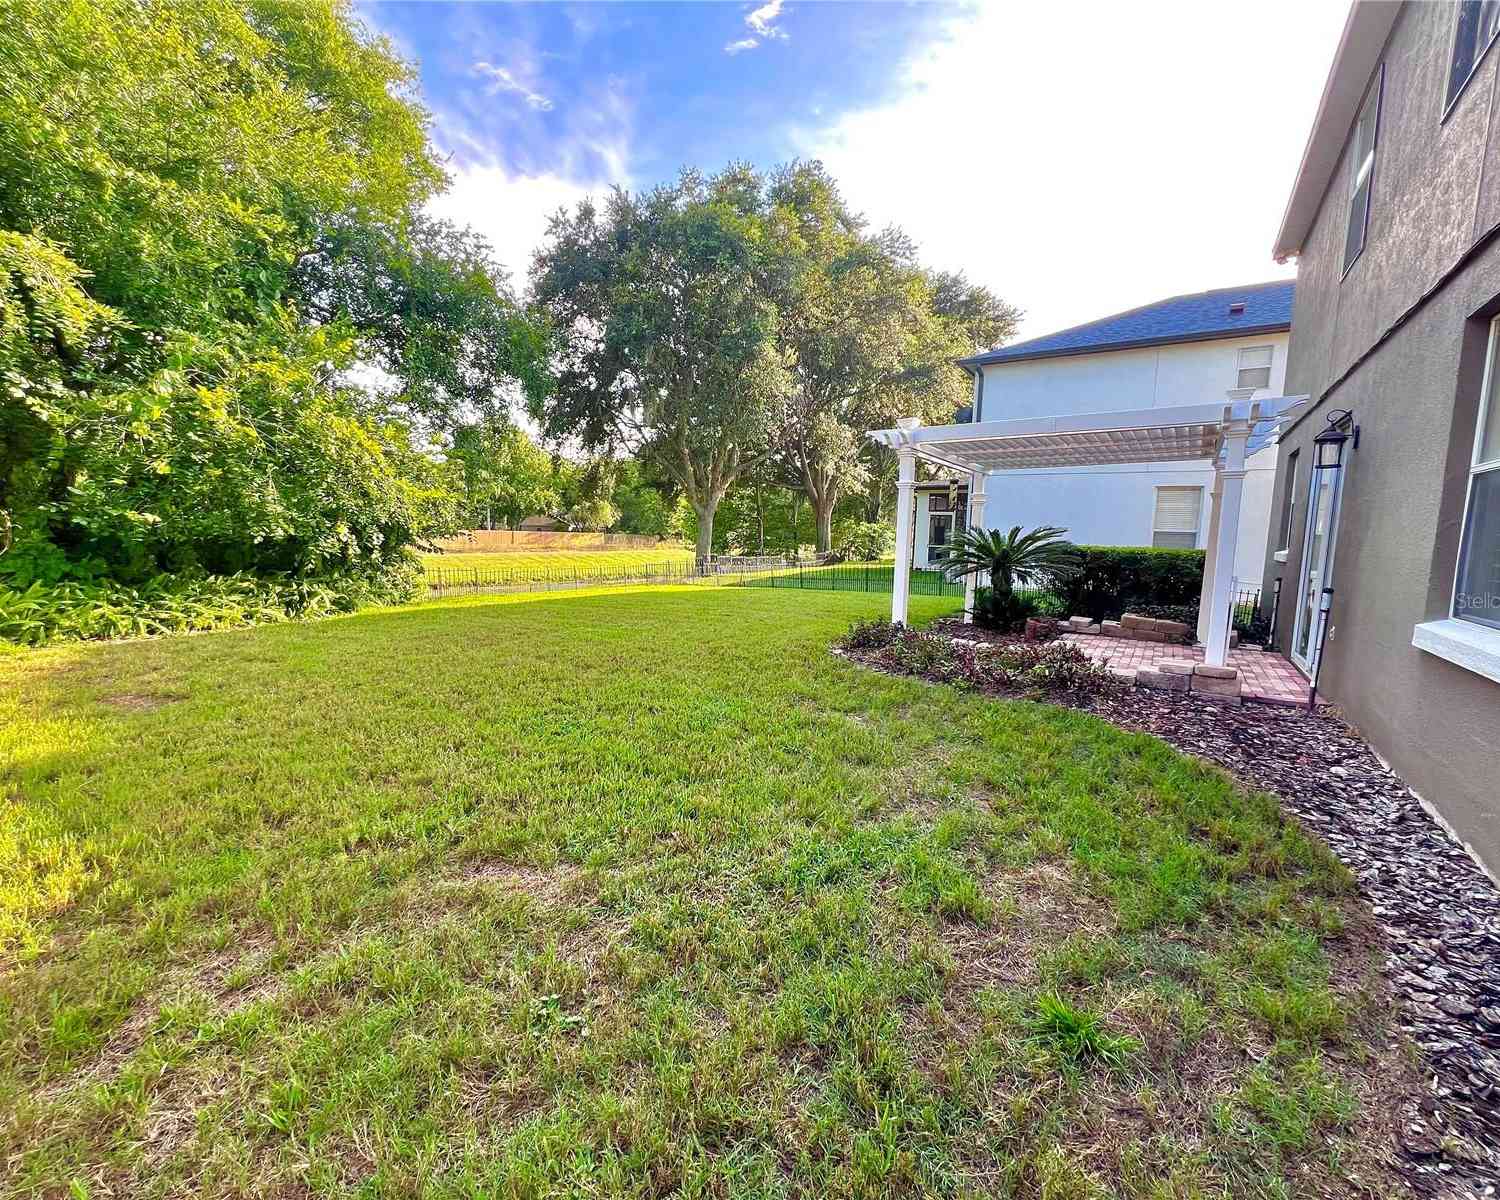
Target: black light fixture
(1328,446)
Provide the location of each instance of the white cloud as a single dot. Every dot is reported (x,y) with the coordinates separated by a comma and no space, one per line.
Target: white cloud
(1085,161)
(511,210)
(762,19)
(503,80)
(762,24)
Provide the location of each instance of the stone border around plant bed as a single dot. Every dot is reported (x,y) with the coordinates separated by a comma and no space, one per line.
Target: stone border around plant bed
(1439,912)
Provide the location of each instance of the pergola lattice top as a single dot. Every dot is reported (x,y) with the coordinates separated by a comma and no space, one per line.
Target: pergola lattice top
(1181,433)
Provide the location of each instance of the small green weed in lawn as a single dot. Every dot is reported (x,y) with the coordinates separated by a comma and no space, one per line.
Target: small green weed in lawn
(1076,1036)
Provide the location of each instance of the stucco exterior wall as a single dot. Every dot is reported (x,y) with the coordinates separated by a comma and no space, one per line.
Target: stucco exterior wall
(1401,345)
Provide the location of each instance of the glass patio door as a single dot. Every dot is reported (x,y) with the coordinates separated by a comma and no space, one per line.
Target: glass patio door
(1317,563)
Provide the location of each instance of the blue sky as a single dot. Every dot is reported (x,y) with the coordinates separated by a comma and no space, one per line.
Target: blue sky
(1077,158)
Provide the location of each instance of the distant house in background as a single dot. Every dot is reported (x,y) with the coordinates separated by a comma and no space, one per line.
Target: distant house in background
(541,524)
(1185,350)
(1395,224)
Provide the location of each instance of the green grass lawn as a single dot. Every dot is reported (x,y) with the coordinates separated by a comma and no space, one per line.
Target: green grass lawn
(559,562)
(638,893)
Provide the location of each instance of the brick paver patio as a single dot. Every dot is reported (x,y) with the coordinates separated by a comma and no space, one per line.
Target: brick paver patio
(1266,676)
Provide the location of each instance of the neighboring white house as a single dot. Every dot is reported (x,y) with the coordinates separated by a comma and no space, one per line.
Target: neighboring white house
(1186,350)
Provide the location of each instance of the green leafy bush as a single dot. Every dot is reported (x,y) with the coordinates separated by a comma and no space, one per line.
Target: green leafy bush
(1115,579)
(1005,611)
(863,541)
(72,611)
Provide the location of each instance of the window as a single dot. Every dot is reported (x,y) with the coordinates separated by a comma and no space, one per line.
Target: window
(1255,367)
(1477,594)
(1178,509)
(1288,504)
(1478,23)
(1362,168)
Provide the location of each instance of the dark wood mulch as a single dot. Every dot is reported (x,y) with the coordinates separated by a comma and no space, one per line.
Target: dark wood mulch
(1439,912)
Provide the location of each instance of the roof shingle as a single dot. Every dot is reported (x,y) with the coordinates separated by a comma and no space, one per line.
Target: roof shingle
(1198,317)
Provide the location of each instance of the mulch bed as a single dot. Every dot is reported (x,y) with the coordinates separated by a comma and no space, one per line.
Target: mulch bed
(1439,911)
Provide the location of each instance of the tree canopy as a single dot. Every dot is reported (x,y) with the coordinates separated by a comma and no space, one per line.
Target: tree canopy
(668,332)
(210,235)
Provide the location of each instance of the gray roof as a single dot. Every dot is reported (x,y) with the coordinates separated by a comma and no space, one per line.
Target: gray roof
(1223,312)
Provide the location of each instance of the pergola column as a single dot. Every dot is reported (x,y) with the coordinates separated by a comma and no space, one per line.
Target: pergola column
(974,520)
(906,485)
(1226,539)
(1206,590)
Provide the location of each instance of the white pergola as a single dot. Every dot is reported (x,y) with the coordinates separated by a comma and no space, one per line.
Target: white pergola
(1223,434)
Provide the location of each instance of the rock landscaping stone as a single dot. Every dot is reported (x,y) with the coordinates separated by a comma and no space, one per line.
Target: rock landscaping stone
(1111,629)
(1212,672)
(1148,635)
(1172,629)
(1167,681)
(1177,666)
(1136,621)
(1229,691)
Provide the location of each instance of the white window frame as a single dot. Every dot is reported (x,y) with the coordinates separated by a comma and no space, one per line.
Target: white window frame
(1464,641)
(1478,465)
(1241,368)
(1156,505)
(1363,172)
(1289,507)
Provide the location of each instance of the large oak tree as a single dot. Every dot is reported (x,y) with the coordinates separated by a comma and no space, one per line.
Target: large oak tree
(664,306)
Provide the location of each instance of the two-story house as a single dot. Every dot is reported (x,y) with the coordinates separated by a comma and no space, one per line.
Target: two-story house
(1395,224)
(1183,350)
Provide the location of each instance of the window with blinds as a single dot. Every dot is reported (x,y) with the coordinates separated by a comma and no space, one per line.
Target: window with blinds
(1178,512)
(1255,367)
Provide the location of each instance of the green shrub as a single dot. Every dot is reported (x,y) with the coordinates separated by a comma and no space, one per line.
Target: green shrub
(1117,579)
(1012,666)
(863,541)
(1050,604)
(72,611)
(1000,610)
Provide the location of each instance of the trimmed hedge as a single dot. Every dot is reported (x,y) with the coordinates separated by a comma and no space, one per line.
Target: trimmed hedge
(1118,579)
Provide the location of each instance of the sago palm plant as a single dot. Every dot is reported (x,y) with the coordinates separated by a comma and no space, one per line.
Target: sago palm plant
(1033,559)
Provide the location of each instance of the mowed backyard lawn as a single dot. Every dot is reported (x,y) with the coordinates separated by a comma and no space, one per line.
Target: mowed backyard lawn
(644,893)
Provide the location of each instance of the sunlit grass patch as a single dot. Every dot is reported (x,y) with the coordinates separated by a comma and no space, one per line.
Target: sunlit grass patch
(555,895)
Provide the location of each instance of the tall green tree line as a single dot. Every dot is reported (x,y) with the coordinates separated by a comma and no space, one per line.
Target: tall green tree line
(229,339)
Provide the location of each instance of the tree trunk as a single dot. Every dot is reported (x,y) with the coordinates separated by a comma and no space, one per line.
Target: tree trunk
(705,532)
(760,521)
(823,508)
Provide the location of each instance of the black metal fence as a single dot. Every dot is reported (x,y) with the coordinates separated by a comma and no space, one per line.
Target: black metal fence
(813,574)
(852,577)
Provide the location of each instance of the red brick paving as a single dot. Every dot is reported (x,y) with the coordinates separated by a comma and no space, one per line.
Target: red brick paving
(1266,676)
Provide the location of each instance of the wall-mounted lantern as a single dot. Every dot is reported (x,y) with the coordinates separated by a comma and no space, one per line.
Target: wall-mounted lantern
(1328,446)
